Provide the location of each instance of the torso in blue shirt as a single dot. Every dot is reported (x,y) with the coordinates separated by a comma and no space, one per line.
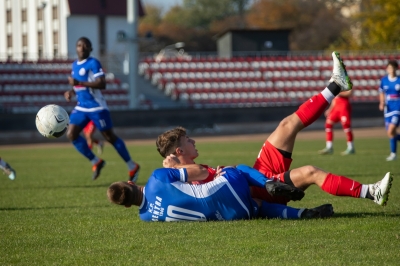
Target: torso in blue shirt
(89,99)
(167,197)
(391,88)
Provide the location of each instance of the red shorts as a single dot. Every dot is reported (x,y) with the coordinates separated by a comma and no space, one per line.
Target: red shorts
(90,128)
(272,164)
(341,112)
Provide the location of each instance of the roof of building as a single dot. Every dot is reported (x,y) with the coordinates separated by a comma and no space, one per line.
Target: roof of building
(101,7)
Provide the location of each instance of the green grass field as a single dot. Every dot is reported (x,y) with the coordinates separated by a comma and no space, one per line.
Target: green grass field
(54,214)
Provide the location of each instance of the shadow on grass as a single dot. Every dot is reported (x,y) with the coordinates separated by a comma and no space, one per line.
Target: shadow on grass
(51,208)
(364,214)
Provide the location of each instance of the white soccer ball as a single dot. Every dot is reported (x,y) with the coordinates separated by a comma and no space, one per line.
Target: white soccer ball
(52,121)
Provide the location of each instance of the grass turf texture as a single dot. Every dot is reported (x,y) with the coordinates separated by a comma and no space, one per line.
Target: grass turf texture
(54,214)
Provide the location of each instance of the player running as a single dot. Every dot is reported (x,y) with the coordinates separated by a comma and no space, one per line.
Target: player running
(87,79)
(339,111)
(275,156)
(389,103)
(169,197)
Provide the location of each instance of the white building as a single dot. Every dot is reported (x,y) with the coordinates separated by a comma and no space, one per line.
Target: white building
(48,29)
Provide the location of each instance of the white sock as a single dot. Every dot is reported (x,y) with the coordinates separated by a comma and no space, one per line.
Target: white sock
(328,95)
(95,160)
(350,145)
(364,190)
(131,165)
(329,144)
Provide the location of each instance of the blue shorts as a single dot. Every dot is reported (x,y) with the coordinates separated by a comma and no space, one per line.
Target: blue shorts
(393,119)
(101,119)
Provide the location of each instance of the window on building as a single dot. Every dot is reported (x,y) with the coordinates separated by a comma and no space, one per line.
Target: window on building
(24,56)
(9,17)
(24,40)
(55,37)
(40,52)
(55,52)
(40,38)
(9,40)
(23,15)
(55,12)
(40,14)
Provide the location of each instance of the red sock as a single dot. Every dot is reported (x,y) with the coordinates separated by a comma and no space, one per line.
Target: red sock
(312,109)
(349,134)
(341,186)
(329,132)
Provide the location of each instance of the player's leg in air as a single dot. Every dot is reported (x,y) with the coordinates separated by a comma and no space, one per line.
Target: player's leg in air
(78,120)
(88,131)
(103,122)
(7,169)
(275,156)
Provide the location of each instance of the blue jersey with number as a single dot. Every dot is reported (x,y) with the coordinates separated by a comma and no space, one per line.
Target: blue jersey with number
(167,197)
(89,99)
(391,89)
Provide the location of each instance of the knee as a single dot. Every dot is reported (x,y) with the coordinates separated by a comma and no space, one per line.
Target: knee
(71,135)
(310,171)
(110,137)
(288,123)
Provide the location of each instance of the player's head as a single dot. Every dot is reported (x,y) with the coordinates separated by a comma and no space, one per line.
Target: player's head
(83,47)
(168,141)
(125,193)
(392,67)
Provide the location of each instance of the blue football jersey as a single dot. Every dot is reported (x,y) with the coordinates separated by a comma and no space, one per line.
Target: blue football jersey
(391,89)
(167,197)
(89,99)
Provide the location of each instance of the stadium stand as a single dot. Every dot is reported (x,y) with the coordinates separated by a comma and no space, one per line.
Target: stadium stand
(25,87)
(259,81)
(200,82)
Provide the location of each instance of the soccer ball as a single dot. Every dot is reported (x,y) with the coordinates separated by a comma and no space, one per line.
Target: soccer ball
(52,121)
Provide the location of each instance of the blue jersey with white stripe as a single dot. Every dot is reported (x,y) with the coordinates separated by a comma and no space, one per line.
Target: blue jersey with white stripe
(391,89)
(167,197)
(89,99)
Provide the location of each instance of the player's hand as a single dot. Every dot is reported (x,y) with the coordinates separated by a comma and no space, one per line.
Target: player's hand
(170,161)
(219,172)
(68,95)
(72,81)
(327,113)
(381,106)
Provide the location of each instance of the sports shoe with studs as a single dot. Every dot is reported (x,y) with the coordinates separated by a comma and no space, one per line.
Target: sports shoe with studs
(348,152)
(10,172)
(134,173)
(281,189)
(97,168)
(339,73)
(326,151)
(323,211)
(391,157)
(381,189)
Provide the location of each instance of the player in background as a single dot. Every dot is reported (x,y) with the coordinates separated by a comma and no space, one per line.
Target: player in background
(87,80)
(7,169)
(275,156)
(389,103)
(88,131)
(169,196)
(339,110)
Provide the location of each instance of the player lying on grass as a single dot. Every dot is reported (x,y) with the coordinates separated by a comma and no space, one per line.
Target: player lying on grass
(169,196)
(275,156)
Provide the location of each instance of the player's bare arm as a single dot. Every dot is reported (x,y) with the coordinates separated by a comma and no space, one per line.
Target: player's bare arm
(68,95)
(381,101)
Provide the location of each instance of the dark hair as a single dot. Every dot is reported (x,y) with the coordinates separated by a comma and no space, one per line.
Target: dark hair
(120,193)
(85,40)
(393,63)
(168,141)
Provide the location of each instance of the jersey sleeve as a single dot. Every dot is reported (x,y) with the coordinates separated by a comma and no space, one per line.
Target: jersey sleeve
(170,175)
(96,68)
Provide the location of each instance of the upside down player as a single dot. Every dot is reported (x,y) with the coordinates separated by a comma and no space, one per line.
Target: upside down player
(168,196)
(339,111)
(87,79)
(274,158)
